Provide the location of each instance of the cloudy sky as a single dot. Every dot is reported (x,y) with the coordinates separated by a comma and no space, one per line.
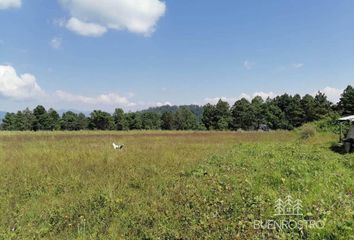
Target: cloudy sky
(87,54)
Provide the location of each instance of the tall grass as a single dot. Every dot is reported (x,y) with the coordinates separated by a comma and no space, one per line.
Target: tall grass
(168,185)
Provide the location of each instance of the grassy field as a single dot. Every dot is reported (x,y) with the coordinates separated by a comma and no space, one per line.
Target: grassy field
(170,185)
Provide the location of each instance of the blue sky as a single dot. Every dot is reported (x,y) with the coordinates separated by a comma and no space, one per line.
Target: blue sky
(74,54)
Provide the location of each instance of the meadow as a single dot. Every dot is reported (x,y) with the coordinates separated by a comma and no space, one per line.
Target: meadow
(170,185)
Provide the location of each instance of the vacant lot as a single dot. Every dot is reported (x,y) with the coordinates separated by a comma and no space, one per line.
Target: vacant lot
(170,185)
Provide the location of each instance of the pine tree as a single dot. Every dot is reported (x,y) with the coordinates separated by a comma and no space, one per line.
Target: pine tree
(346,103)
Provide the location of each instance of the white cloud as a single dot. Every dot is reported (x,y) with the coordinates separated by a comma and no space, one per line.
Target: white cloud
(25,87)
(107,101)
(110,99)
(244,95)
(232,100)
(248,65)
(5,4)
(85,28)
(298,65)
(159,104)
(55,42)
(215,100)
(94,18)
(264,95)
(333,94)
(18,87)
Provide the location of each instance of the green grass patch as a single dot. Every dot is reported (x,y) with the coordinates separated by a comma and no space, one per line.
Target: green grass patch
(170,185)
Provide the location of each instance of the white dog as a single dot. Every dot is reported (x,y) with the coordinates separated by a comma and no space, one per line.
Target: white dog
(117,146)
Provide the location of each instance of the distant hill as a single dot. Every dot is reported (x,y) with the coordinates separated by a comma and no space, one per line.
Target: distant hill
(197,110)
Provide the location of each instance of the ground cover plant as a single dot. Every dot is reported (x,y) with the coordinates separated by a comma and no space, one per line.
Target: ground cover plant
(170,185)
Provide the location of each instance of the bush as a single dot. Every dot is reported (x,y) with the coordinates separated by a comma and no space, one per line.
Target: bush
(307,132)
(328,124)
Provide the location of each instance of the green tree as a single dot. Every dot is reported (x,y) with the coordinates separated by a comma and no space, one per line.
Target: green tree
(258,109)
(323,107)
(209,116)
(119,119)
(101,120)
(20,122)
(41,121)
(167,121)
(346,103)
(294,112)
(82,122)
(274,117)
(222,115)
(8,123)
(53,120)
(242,115)
(309,106)
(29,119)
(134,121)
(185,119)
(69,121)
(150,120)
(283,102)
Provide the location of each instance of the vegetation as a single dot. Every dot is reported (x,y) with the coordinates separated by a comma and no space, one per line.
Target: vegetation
(205,185)
(346,104)
(282,112)
(195,109)
(307,132)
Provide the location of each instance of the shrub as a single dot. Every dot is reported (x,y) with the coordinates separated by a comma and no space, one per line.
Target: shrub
(307,132)
(328,124)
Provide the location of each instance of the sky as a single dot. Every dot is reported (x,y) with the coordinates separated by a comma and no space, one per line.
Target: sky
(134,54)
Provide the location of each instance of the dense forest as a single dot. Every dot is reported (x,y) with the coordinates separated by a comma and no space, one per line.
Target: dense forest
(282,112)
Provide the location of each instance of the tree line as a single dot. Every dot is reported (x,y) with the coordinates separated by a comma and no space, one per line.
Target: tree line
(282,112)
